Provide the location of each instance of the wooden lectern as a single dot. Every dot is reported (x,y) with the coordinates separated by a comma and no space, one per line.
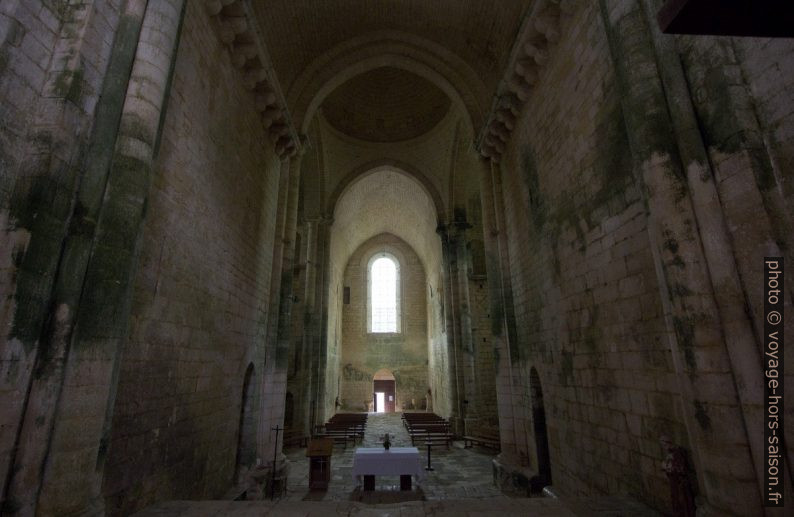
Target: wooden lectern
(319,453)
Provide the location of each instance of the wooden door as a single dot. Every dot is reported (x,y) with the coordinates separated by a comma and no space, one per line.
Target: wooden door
(390,389)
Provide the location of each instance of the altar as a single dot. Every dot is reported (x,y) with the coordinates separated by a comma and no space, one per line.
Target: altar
(377,461)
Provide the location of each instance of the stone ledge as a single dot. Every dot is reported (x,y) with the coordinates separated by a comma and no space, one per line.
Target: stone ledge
(512,479)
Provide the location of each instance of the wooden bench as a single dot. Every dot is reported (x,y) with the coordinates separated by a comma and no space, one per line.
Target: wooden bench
(434,433)
(295,438)
(343,427)
(355,423)
(484,438)
(339,433)
(410,419)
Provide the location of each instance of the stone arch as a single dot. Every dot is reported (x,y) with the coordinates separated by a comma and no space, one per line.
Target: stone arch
(398,166)
(384,374)
(387,48)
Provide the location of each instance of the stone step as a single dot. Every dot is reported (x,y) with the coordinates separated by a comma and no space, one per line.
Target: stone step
(496,507)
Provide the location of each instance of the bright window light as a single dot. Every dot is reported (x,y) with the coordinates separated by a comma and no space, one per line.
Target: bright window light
(383,297)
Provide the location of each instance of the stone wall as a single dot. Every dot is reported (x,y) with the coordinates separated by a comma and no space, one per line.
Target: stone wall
(202,288)
(53,59)
(403,353)
(643,183)
(587,310)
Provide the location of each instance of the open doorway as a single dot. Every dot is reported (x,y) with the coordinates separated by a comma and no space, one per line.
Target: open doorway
(541,434)
(384,388)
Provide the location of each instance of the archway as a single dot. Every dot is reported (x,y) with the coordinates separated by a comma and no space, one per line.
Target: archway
(541,433)
(246,438)
(390,165)
(384,391)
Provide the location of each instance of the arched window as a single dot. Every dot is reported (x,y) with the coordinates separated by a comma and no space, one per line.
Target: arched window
(383,296)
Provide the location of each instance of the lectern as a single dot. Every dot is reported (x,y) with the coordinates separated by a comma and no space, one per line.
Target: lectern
(319,453)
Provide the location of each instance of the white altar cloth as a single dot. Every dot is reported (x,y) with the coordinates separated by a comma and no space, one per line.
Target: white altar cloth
(397,461)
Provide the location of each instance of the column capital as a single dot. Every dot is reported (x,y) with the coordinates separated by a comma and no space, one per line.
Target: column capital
(323,219)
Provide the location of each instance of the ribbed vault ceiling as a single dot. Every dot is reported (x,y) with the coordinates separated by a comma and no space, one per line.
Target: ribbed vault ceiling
(385,105)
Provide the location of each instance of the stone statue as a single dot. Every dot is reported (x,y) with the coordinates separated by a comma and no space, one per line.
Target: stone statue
(429,399)
(675,466)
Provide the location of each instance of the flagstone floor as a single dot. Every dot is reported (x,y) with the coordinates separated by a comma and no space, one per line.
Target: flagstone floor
(458,473)
(461,484)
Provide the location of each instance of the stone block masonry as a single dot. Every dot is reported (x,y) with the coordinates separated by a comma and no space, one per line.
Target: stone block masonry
(627,252)
(580,236)
(201,292)
(364,353)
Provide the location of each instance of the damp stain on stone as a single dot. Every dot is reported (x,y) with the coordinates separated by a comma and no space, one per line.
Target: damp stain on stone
(685,333)
(680,290)
(702,417)
(69,85)
(670,244)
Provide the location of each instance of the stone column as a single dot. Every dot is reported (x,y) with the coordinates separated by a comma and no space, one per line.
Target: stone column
(499,337)
(309,338)
(276,371)
(50,239)
(266,400)
(74,466)
(513,368)
(450,317)
(320,319)
(711,405)
(297,357)
(467,358)
(744,347)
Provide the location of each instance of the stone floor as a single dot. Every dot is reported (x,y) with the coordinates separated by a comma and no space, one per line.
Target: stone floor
(458,473)
(487,507)
(460,485)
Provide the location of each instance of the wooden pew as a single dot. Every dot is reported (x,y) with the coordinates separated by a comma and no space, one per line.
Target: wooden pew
(295,438)
(488,438)
(343,427)
(427,427)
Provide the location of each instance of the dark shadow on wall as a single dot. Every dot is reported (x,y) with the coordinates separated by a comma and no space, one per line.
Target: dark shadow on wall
(543,478)
(246,441)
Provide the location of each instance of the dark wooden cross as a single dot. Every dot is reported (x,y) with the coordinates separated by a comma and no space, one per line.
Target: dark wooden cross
(277,429)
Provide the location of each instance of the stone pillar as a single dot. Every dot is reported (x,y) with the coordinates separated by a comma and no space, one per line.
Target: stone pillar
(744,347)
(513,368)
(320,319)
(310,336)
(448,279)
(711,405)
(467,358)
(50,242)
(499,337)
(266,400)
(276,370)
(101,269)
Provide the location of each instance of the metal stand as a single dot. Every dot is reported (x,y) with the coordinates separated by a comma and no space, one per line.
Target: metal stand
(429,466)
(275,456)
